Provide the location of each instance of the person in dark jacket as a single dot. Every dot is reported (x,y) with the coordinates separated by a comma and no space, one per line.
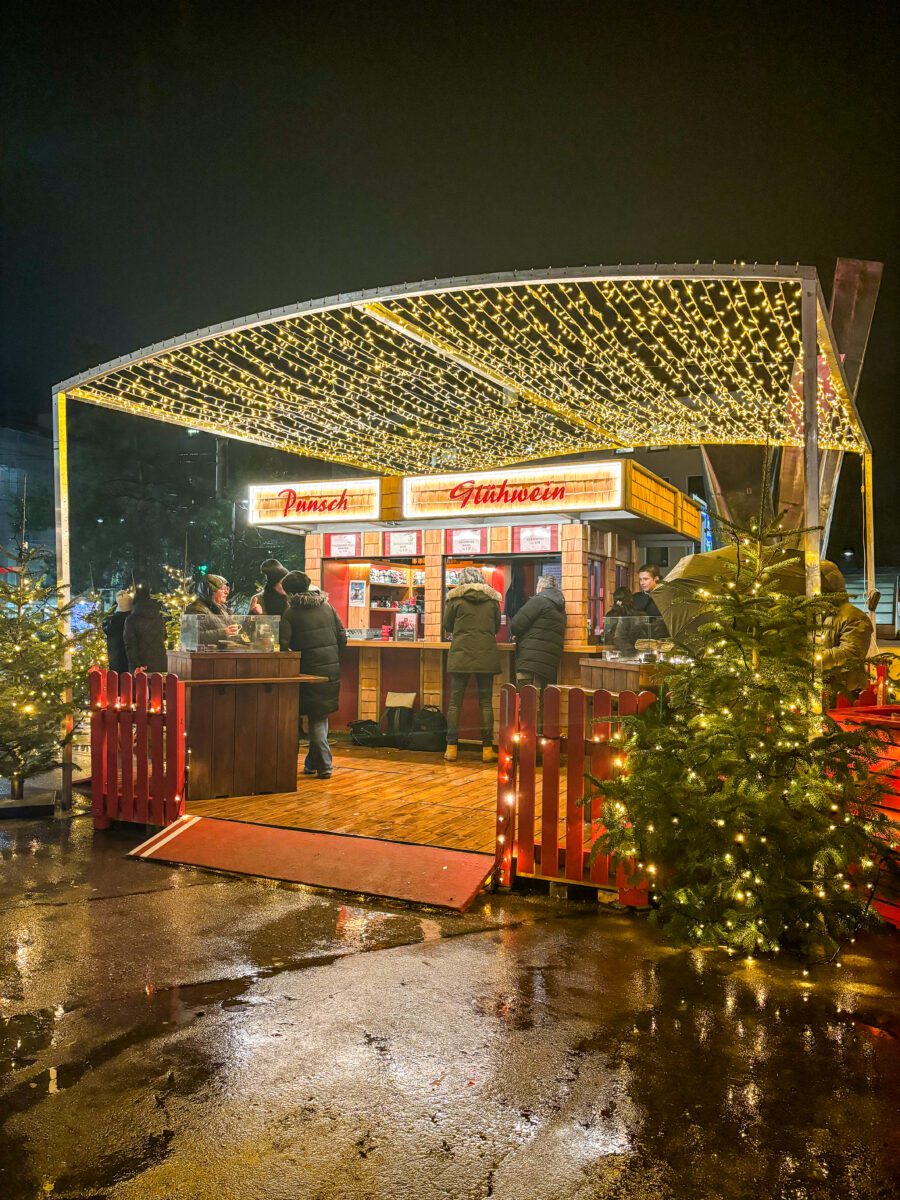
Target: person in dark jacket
(114,628)
(471,622)
(539,628)
(211,605)
(621,626)
(645,605)
(311,626)
(145,634)
(272,600)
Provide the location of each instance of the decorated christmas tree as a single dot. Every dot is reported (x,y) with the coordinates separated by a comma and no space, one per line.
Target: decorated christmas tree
(179,593)
(46,648)
(747,808)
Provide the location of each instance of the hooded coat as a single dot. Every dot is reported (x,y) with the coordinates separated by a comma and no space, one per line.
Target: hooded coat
(311,626)
(471,621)
(145,635)
(846,637)
(539,628)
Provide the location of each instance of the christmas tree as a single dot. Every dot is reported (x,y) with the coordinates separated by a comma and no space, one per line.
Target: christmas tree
(178,595)
(748,809)
(46,647)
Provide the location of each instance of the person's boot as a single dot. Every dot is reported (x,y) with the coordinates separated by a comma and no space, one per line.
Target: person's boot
(488,754)
(450,754)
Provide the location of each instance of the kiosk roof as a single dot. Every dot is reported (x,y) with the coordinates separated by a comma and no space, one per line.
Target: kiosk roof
(488,371)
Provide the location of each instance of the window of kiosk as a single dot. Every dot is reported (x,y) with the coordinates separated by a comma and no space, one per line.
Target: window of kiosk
(513,576)
(377,599)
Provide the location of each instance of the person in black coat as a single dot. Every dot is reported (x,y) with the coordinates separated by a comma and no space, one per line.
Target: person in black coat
(539,628)
(272,600)
(210,605)
(114,628)
(621,626)
(145,634)
(311,626)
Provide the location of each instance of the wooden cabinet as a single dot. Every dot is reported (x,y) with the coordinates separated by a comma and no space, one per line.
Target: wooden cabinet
(242,733)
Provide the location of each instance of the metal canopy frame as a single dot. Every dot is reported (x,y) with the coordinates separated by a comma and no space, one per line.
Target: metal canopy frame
(817,347)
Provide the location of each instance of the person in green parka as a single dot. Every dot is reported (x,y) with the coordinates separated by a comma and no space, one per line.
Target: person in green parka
(471,622)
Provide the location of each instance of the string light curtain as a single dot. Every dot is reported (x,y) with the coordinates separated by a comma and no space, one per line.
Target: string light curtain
(500,371)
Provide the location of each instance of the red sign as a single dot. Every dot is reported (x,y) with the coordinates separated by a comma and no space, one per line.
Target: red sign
(343,545)
(466,541)
(535,539)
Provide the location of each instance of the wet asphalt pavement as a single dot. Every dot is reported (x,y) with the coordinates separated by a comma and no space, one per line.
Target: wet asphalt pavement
(169,1033)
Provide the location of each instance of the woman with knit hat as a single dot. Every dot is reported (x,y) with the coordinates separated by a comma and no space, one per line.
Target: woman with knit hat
(215,620)
(272,600)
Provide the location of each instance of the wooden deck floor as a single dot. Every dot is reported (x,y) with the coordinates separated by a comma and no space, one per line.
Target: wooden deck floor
(392,794)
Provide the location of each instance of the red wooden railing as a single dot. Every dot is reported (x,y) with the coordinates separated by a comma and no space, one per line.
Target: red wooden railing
(884,720)
(545,847)
(137,748)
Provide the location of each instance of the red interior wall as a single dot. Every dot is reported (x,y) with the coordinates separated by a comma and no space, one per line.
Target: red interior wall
(348,706)
(336,582)
(400,673)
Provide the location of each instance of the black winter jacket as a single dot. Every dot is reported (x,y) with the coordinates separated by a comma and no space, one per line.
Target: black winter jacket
(145,635)
(539,628)
(214,620)
(114,628)
(311,626)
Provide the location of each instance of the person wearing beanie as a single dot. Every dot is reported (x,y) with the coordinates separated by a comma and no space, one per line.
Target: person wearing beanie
(271,601)
(145,634)
(846,638)
(114,628)
(210,605)
(311,626)
(539,628)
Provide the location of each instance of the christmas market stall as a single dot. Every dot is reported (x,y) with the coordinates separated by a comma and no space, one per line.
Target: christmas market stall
(388,550)
(487,421)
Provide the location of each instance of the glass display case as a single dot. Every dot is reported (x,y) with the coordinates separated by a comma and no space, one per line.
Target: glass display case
(206,631)
(634,637)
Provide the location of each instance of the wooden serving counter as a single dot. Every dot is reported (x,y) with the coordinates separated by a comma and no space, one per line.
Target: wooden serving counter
(242,720)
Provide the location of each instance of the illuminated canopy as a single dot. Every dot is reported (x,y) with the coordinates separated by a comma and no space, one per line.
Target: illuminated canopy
(488,371)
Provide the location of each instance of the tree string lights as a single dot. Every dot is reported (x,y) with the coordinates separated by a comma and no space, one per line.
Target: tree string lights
(491,375)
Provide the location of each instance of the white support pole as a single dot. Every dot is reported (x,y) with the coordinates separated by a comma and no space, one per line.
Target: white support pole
(868,499)
(812,540)
(63,573)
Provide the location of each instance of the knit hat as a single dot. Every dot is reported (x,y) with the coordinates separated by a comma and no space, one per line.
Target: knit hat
(295,583)
(124,601)
(273,570)
(216,581)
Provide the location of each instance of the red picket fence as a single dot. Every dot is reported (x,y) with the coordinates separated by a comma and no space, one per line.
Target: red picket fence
(543,846)
(884,720)
(137,748)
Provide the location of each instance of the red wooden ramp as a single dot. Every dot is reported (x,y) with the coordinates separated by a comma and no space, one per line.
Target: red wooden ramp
(396,870)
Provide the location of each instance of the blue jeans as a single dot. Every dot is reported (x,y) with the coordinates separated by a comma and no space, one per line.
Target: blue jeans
(319,757)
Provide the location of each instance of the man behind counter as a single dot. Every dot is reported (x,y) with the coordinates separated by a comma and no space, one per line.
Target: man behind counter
(643,603)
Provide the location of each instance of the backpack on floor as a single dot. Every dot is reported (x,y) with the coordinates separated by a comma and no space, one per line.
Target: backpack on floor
(429,729)
(366,733)
(398,718)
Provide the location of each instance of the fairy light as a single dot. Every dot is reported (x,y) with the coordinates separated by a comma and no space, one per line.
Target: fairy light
(505,373)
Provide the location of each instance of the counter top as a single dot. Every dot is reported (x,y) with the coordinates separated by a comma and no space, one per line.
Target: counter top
(379,644)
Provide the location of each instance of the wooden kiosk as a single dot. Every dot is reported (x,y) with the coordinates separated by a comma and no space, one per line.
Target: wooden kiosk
(388,550)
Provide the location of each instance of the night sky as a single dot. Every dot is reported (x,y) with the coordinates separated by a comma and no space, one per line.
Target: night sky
(166,166)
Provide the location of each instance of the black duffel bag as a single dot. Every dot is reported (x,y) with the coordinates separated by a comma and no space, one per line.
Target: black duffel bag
(366,733)
(429,729)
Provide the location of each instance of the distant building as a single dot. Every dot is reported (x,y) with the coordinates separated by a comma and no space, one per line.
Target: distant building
(23,455)
(682,466)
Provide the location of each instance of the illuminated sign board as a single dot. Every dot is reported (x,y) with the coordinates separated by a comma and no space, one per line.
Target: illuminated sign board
(577,488)
(316,502)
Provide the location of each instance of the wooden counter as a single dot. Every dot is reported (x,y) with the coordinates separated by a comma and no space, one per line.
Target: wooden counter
(242,732)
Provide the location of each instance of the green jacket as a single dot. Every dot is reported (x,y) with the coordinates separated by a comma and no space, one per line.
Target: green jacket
(471,621)
(846,640)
